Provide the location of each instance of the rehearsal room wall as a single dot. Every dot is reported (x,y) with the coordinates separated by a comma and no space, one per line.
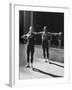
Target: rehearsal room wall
(4,43)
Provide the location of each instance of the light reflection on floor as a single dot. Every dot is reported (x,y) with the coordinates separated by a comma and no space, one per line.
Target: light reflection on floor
(41,68)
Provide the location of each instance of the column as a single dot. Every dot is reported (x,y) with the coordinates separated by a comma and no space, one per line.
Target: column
(31,19)
(26,21)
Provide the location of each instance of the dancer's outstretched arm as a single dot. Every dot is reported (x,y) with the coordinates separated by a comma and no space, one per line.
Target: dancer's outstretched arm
(54,33)
(60,33)
(37,33)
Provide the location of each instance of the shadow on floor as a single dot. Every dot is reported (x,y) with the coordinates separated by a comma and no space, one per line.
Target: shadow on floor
(52,75)
(57,64)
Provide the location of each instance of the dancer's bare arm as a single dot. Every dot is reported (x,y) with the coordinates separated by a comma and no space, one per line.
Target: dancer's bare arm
(37,33)
(49,33)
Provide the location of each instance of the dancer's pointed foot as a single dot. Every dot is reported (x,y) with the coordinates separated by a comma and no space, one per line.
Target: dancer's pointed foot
(31,65)
(46,60)
(27,66)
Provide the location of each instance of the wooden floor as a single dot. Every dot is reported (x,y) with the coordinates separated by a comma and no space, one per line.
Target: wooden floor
(40,68)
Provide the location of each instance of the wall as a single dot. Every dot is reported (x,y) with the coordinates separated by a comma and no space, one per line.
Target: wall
(4,41)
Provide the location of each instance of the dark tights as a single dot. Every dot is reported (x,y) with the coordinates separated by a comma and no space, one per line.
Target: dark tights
(45,47)
(30,49)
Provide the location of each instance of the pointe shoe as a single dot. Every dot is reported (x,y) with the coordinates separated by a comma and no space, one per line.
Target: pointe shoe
(27,66)
(49,62)
(31,65)
(46,60)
